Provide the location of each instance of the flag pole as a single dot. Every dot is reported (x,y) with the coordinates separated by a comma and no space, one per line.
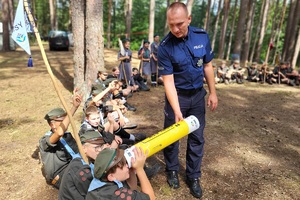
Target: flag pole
(37,35)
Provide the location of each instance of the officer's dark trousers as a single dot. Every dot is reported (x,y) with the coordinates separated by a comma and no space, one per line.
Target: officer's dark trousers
(189,105)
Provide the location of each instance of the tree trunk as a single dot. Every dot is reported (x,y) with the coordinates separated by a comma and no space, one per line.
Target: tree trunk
(151,20)
(278,31)
(109,23)
(297,49)
(94,41)
(11,13)
(262,31)
(257,32)
(240,28)
(53,18)
(231,31)
(128,15)
(293,32)
(216,25)
(166,29)
(288,28)
(223,29)
(5,24)
(207,16)
(274,22)
(245,51)
(189,5)
(78,21)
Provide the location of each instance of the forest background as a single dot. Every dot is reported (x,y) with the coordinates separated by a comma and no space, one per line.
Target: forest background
(253,30)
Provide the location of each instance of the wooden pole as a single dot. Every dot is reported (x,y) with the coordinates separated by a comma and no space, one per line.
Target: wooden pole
(37,35)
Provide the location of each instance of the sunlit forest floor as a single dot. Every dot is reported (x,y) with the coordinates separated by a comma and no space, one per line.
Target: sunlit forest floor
(252,148)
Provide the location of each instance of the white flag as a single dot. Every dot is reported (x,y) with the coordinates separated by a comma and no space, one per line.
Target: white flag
(19,34)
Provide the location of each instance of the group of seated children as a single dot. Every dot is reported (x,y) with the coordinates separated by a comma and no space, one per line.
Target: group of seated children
(104,174)
(283,73)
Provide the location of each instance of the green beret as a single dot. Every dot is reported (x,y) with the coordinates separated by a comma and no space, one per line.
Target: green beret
(55,114)
(93,137)
(97,89)
(105,160)
(146,41)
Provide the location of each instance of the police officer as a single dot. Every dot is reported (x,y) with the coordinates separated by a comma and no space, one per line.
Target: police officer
(184,58)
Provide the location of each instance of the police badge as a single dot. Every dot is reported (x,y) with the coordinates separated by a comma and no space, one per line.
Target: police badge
(200,62)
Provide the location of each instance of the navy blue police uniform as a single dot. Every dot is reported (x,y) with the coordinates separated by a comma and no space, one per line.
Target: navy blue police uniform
(184,58)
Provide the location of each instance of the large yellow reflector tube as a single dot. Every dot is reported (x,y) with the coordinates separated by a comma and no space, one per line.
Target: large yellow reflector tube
(164,138)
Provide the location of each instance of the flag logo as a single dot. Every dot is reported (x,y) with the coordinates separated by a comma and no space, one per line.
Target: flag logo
(21,38)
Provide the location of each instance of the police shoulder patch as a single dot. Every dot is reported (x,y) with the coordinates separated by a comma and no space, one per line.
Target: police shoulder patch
(165,40)
(199,30)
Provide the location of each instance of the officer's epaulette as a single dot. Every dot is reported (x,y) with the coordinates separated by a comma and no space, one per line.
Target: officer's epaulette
(199,30)
(166,39)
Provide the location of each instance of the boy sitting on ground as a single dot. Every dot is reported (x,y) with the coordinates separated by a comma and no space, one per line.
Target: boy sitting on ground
(58,146)
(114,180)
(78,175)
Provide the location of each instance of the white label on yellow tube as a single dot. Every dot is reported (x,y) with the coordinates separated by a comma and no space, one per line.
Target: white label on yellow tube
(164,138)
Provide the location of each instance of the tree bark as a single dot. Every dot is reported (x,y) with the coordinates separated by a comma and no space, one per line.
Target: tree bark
(278,31)
(238,41)
(257,32)
(223,29)
(94,41)
(297,49)
(5,24)
(166,29)
(78,21)
(207,16)
(189,5)
(262,31)
(109,23)
(231,30)
(53,18)
(151,20)
(291,40)
(274,21)
(128,15)
(245,51)
(216,26)
(11,13)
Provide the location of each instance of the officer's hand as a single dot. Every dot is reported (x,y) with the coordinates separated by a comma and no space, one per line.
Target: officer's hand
(178,116)
(212,101)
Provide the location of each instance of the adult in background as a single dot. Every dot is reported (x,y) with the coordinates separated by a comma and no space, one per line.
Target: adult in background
(184,58)
(125,73)
(144,54)
(153,60)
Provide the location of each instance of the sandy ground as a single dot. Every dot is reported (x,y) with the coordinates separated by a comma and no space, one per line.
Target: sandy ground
(252,146)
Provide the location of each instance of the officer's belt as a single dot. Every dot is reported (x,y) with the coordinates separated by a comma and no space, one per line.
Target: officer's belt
(188,92)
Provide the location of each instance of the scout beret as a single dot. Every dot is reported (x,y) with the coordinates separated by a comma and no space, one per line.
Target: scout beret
(254,63)
(97,89)
(91,136)
(105,160)
(155,35)
(108,81)
(55,114)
